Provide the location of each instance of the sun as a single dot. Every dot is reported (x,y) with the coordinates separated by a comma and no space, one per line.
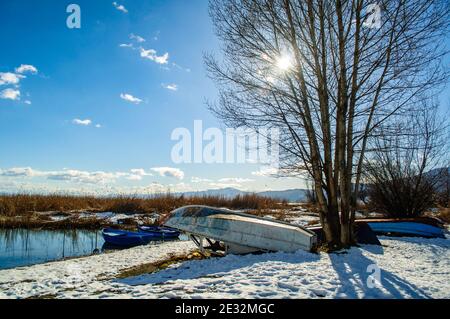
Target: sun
(284,62)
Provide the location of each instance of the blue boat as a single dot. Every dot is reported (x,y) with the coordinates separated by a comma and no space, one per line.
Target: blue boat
(162,232)
(124,238)
(407,229)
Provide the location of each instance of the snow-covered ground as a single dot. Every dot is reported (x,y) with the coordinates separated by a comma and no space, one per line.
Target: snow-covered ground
(109,217)
(408,268)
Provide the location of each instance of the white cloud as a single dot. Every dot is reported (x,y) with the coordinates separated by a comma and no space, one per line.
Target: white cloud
(153,56)
(27,102)
(19,172)
(10,94)
(137,174)
(10,78)
(23,68)
(130,98)
(137,38)
(162,59)
(169,172)
(270,171)
(86,122)
(229,182)
(98,125)
(140,172)
(149,54)
(266,172)
(75,176)
(82,176)
(200,180)
(133,177)
(225,185)
(120,7)
(235,180)
(172,87)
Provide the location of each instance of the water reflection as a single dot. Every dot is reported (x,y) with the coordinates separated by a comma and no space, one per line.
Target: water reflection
(22,247)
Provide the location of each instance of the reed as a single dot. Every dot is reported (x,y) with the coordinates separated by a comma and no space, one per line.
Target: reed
(24,204)
(444,214)
(36,221)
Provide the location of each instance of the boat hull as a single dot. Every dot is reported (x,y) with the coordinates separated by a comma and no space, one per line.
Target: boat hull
(407,229)
(161,232)
(126,239)
(241,230)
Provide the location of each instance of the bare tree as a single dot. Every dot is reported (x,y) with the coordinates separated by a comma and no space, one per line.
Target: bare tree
(406,168)
(310,193)
(326,75)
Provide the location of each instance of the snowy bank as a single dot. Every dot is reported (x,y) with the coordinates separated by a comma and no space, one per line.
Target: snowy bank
(408,268)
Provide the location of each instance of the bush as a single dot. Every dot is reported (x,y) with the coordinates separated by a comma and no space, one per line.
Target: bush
(401,197)
(402,170)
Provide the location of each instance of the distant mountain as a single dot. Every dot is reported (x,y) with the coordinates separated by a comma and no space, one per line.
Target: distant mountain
(291,195)
(226,192)
(440,178)
(299,195)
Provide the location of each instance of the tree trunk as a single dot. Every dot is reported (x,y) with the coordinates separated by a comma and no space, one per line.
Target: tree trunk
(346,233)
(332,232)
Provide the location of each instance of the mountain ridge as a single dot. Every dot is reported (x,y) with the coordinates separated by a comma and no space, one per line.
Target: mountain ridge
(290,195)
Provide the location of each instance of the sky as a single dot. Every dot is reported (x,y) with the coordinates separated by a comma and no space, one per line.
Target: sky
(92,109)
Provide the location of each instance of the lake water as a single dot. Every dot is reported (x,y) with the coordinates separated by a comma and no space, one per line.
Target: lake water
(20,247)
(23,247)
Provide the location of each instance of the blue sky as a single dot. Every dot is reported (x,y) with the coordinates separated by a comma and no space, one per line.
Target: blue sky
(93,108)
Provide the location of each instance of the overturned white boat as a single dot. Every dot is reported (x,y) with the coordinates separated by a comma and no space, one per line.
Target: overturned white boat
(238,233)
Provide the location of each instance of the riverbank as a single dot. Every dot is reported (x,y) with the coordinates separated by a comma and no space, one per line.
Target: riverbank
(78,220)
(59,212)
(22,204)
(408,268)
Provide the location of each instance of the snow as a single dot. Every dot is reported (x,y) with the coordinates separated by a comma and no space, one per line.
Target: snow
(303,220)
(409,268)
(109,217)
(298,219)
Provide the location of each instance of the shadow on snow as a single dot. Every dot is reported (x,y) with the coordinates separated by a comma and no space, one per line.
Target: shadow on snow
(353,271)
(216,267)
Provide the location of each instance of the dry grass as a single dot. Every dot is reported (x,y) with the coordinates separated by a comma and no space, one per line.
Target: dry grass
(157,266)
(20,210)
(20,204)
(444,214)
(36,221)
(278,214)
(312,207)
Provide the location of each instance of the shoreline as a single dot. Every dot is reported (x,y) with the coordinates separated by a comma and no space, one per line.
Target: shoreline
(76,220)
(272,275)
